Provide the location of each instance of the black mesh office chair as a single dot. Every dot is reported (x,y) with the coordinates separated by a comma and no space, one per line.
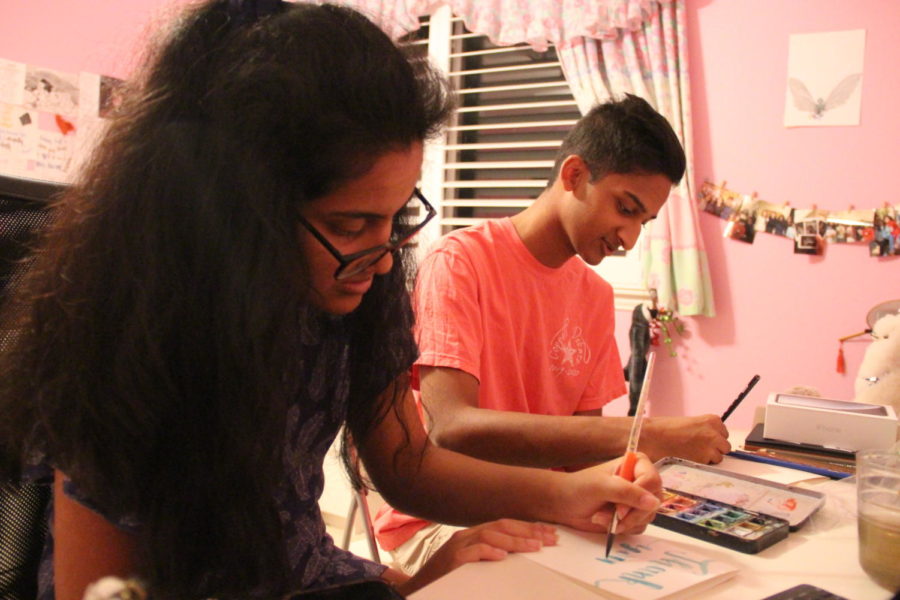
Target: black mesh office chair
(22,507)
(23,528)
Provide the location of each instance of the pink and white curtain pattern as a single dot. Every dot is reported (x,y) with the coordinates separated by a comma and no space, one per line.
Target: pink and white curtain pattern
(536,22)
(607,48)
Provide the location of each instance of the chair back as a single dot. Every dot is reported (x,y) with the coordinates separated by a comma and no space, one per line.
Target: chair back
(23,529)
(23,506)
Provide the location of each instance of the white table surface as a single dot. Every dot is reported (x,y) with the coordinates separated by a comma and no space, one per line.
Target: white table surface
(823,552)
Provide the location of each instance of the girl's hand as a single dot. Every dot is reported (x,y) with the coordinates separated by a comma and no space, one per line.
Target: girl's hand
(489,541)
(590,496)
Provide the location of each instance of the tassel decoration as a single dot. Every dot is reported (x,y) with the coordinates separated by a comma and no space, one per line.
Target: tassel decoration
(841,365)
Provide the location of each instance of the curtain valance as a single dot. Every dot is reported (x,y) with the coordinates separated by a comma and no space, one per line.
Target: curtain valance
(537,22)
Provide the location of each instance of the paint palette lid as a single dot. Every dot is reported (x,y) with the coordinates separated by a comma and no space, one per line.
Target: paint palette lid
(792,503)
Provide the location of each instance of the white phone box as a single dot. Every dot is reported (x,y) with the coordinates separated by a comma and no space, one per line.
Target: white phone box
(830,423)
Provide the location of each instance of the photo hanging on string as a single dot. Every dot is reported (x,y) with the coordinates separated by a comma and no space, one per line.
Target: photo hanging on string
(719,201)
(772,218)
(886,228)
(742,221)
(808,237)
(849,227)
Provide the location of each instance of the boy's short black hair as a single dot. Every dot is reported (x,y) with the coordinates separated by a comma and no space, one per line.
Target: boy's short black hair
(624,136)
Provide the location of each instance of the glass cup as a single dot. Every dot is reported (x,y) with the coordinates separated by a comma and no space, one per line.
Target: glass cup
(878,495)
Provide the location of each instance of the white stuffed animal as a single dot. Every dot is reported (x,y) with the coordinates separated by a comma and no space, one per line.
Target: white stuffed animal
(878,380)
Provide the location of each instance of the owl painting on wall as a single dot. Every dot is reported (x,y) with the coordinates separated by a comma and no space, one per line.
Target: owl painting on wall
(824,79)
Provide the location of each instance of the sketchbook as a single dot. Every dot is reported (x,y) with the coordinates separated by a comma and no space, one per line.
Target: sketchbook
(756,439)
(639,567)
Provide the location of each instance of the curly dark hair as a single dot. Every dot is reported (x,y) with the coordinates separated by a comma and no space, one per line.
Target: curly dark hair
(154,338)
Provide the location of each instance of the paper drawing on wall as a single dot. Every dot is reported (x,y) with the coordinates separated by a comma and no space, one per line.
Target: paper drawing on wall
(804,101)
(51,91)
(824,79)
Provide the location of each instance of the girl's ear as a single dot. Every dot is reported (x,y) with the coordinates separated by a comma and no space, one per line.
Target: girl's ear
(573,173)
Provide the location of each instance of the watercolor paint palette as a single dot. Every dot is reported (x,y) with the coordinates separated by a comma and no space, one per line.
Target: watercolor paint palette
(741,512)
(789,502)
(723,524)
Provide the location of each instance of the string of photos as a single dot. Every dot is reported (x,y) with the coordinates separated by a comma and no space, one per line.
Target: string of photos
(810,229)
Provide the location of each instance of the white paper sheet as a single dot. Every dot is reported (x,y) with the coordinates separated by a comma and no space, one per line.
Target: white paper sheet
(639,567)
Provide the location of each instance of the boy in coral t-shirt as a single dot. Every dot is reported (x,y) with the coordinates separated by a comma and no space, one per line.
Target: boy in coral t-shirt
(515,330)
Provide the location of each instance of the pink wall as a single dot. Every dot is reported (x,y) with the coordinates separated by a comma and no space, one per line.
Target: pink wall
(779,314)
(97,36)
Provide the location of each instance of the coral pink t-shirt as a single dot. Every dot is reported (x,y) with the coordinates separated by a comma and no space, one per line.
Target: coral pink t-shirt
(538,339)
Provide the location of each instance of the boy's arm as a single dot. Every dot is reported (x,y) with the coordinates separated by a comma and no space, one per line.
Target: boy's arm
(455,421)
(438,484)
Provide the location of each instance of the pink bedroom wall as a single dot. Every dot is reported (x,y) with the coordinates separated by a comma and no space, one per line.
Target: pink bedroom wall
(97,36)
(780,314)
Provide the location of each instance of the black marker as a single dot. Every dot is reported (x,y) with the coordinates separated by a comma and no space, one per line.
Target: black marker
(740,398)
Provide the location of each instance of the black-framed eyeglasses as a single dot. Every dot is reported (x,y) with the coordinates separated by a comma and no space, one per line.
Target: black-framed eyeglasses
(401,233)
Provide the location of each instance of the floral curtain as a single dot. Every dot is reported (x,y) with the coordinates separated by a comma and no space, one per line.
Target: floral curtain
(537,22)
(650,61)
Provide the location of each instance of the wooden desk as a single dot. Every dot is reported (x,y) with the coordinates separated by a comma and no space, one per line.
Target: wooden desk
(824,552)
